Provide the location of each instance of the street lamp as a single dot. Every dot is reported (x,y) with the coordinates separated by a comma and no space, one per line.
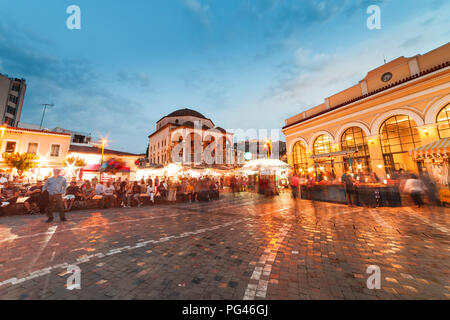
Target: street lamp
(268,144)
(104,142)
(2,129)
(45,105)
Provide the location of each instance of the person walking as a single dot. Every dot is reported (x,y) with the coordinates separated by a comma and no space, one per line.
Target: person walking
(294,185)
(348,181)
(56,187)
(416,189)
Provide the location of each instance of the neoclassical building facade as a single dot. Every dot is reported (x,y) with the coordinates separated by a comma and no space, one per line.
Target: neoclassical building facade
(373,125)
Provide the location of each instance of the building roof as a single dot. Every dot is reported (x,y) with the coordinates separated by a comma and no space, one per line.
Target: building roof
(362,97)
(36,131)
(185,112)
(96,150)
(398,72)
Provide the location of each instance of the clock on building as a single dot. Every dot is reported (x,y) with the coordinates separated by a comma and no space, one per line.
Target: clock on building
(386,77)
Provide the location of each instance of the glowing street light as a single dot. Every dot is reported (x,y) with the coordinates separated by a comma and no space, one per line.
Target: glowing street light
(268,145)
(104,143)
(2,129)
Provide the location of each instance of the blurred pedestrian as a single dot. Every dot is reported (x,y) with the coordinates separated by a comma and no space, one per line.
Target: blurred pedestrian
(56,187)
(415,188)
(294,181)
(348,181)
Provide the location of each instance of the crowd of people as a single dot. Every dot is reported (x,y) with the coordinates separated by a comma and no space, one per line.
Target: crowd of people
(42,196)
(409,184)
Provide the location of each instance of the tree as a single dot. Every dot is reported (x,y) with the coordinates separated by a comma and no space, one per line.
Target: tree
(74,162)
(22,162)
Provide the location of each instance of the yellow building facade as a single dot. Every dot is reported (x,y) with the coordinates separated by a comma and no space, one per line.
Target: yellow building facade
(396,108)
(51,148)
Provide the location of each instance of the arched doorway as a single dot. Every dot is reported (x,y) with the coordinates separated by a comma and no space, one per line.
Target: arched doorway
(398,135)
(300,158)
(443,122)
(354,138)
(324,168)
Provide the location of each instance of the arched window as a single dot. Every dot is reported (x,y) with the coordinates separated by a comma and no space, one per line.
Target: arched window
(354,138)
(300,158)
(399,135)
(443,122)
(322,145)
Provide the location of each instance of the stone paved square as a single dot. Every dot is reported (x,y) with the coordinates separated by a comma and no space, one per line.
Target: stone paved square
(243,247)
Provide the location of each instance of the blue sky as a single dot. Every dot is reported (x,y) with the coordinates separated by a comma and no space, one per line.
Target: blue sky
(242,63)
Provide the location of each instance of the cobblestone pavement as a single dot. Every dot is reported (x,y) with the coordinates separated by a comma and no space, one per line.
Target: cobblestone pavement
(243,247)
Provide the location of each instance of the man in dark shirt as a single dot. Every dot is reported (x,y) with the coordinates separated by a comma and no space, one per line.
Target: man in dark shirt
(10,193)
(34,200)
(72,192)
(135,193)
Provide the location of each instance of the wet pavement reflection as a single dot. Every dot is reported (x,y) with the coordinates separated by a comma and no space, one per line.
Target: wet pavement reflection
(240,247)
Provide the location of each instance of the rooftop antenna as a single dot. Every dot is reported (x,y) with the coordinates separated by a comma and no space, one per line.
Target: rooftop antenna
(45,105)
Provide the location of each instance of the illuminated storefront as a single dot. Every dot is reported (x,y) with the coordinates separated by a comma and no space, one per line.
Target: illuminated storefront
(354,138)
(378,121)
(398,135)
(300,158)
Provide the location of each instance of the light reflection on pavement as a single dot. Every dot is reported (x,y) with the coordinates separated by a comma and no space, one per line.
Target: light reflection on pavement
(244,246)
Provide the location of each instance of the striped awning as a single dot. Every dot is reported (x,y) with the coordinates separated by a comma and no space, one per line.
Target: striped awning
(438,147)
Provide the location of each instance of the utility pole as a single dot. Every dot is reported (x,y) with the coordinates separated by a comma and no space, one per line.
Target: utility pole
(45,105)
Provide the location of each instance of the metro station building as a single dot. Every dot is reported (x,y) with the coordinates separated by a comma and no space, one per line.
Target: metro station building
(372,126)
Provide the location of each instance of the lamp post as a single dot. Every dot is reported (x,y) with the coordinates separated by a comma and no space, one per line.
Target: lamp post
(45,105)
(269,148)
(2,129)
(104,141)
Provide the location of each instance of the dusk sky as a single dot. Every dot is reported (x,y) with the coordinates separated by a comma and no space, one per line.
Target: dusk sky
(242,63)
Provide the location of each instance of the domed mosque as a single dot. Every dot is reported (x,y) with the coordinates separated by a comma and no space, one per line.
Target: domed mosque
(178,128)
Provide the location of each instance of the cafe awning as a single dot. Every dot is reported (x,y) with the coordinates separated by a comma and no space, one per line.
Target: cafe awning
(334,154)
(438,147)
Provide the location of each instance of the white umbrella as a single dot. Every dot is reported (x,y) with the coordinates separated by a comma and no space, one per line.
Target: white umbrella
(265,164)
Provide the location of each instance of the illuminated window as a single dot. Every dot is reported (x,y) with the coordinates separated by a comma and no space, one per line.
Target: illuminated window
(399,134)
(300,158)
(443,122)
(354,138)
(322,145)
(10,147)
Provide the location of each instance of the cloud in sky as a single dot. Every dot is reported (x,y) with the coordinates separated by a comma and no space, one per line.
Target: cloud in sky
(82,101)
(285,17)
(135,78)
(308,76)
(200,9)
